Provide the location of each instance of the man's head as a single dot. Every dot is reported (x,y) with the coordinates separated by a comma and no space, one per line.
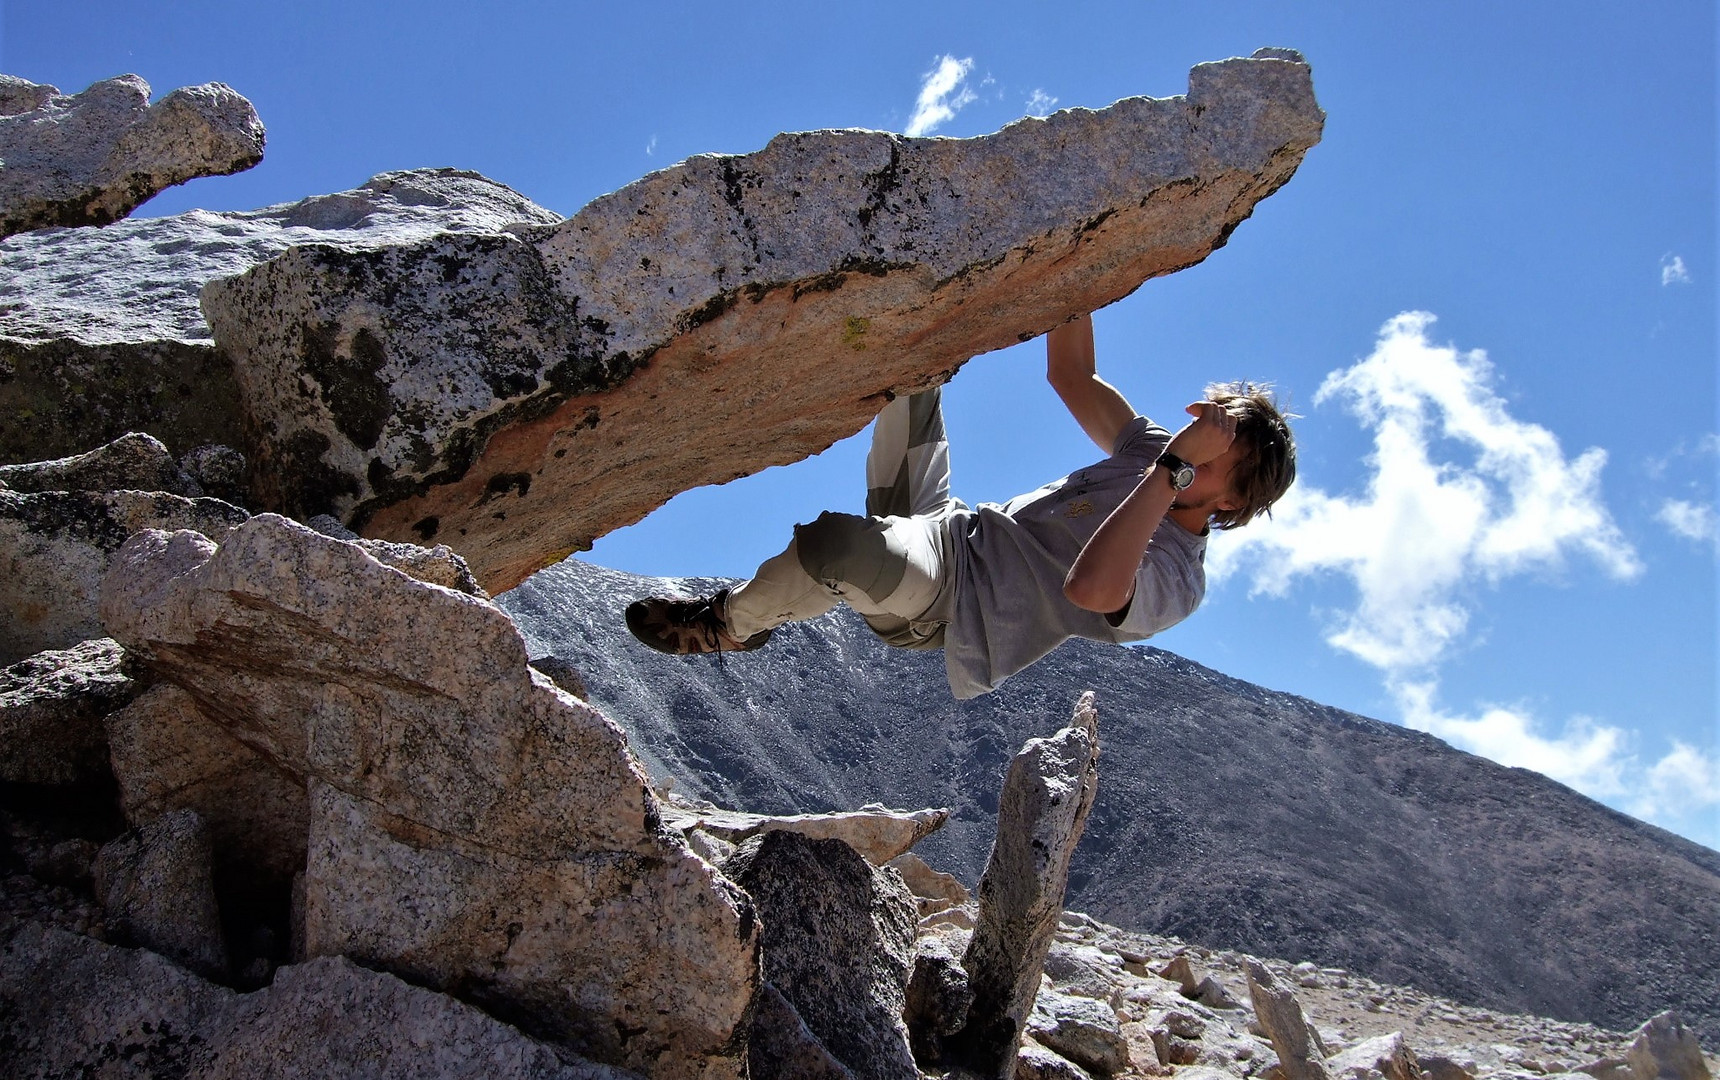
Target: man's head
(1267,464)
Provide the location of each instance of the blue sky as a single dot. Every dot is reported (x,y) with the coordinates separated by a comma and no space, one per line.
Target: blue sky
(1490,291)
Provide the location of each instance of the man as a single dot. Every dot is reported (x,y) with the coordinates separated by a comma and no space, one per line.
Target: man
(1113,552)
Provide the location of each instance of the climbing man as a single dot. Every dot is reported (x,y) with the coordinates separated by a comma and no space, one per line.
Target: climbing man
(1112,552)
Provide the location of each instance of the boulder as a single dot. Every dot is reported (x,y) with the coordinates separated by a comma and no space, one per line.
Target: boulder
(438,565)
(934,890)
(1181,972)
(70,1006)
(91,158)
(1035,1062)
(470,826)
(219,471)
(877,833)
(55,547)
(51,710)
(168,756)
(101,334)
(157,885)
(1300,1054)
(837,942)
(1665,1050)
(1085,970)
(1082,1029)
(781,1047)
(938,997)
(1387,1056)
(1043,807)
(784,294)
(133,462)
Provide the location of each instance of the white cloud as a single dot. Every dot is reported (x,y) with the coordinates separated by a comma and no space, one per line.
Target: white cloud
(1673,271)
(1462,495)
(1586,755)
(943,93)
(1684,782)
(1040,103)
(1693,521)
(651,147)
(1429,530)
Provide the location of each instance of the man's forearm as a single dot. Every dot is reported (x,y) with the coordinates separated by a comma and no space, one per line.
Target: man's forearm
(1103,577)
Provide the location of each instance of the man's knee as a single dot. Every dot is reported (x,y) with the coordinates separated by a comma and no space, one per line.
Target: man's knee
(851,550)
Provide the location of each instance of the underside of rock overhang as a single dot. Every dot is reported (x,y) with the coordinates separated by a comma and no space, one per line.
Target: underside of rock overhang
(517,395)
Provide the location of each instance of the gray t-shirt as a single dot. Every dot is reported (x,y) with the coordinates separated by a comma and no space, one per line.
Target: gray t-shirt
(1010,561)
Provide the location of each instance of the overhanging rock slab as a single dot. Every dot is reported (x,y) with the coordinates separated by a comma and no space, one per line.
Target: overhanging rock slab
(516,396)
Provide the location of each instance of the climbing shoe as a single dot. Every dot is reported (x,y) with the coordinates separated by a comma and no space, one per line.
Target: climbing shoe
(684,626)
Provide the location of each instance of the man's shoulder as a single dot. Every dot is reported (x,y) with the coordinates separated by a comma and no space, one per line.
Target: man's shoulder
(1139,437)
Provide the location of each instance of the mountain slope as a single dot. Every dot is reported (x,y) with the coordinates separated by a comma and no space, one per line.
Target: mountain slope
(1228,814)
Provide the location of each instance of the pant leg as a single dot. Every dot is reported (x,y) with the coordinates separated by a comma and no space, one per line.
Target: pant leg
(888,568)
(908,466)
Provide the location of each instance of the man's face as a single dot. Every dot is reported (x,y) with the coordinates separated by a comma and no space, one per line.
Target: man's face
(1212,490)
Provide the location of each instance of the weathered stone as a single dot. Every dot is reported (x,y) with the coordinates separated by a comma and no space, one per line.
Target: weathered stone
(1082,1029)
(92,158)
(1300,1054)
(438,565)
(158,887)
(1665,1050)
(877,833)
(1035,1062)
(70,1006)
(1085,970)
(565,676)
(1384,1055)
(55,547)
(837,942)
(785,294)
(51,709)
(934,890)
(1215,995)
(219,471)
(471,827)
(167,756)
(781,1047)
(1046,796)
(1441,1067)
(938,997)
(101,334)
(1181,972)
(135,462)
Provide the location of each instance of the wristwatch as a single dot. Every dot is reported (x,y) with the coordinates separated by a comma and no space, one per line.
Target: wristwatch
(1181,472)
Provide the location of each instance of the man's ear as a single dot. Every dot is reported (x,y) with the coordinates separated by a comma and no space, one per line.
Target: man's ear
(1232,502)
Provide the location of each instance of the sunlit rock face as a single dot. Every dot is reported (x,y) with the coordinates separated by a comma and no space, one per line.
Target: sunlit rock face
(517,395)
(92,158)
(100,332)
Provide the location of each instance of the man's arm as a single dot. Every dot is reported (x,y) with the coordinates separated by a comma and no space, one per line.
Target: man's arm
(1096,405)
(1103,577)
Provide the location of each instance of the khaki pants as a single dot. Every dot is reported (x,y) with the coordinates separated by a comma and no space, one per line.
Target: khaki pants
(893,565)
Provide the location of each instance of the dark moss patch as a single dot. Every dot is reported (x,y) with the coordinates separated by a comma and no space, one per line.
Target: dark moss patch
(352,386)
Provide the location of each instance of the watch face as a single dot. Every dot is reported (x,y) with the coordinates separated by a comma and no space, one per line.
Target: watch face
(1183,477)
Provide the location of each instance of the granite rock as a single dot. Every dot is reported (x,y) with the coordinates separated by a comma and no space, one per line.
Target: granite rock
(70,1006)
(471,827)
(51,710)
(101,333)
(837,941)
(1665,1050)
(55,547)
(132,462)
(157,885)
(879,834)
(91,158)
(786,294)
(1300,1052)
(1082,1029)
(1047,794)
(1387,1056)
(781,1047)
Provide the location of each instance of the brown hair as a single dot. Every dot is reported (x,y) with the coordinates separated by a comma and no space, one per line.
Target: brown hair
(1268,465)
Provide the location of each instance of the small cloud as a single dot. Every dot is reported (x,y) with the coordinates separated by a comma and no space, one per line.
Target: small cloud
(1691,520)
(1039,103)
(943,93)
(651,147)
(1673,271)
(1587,756)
